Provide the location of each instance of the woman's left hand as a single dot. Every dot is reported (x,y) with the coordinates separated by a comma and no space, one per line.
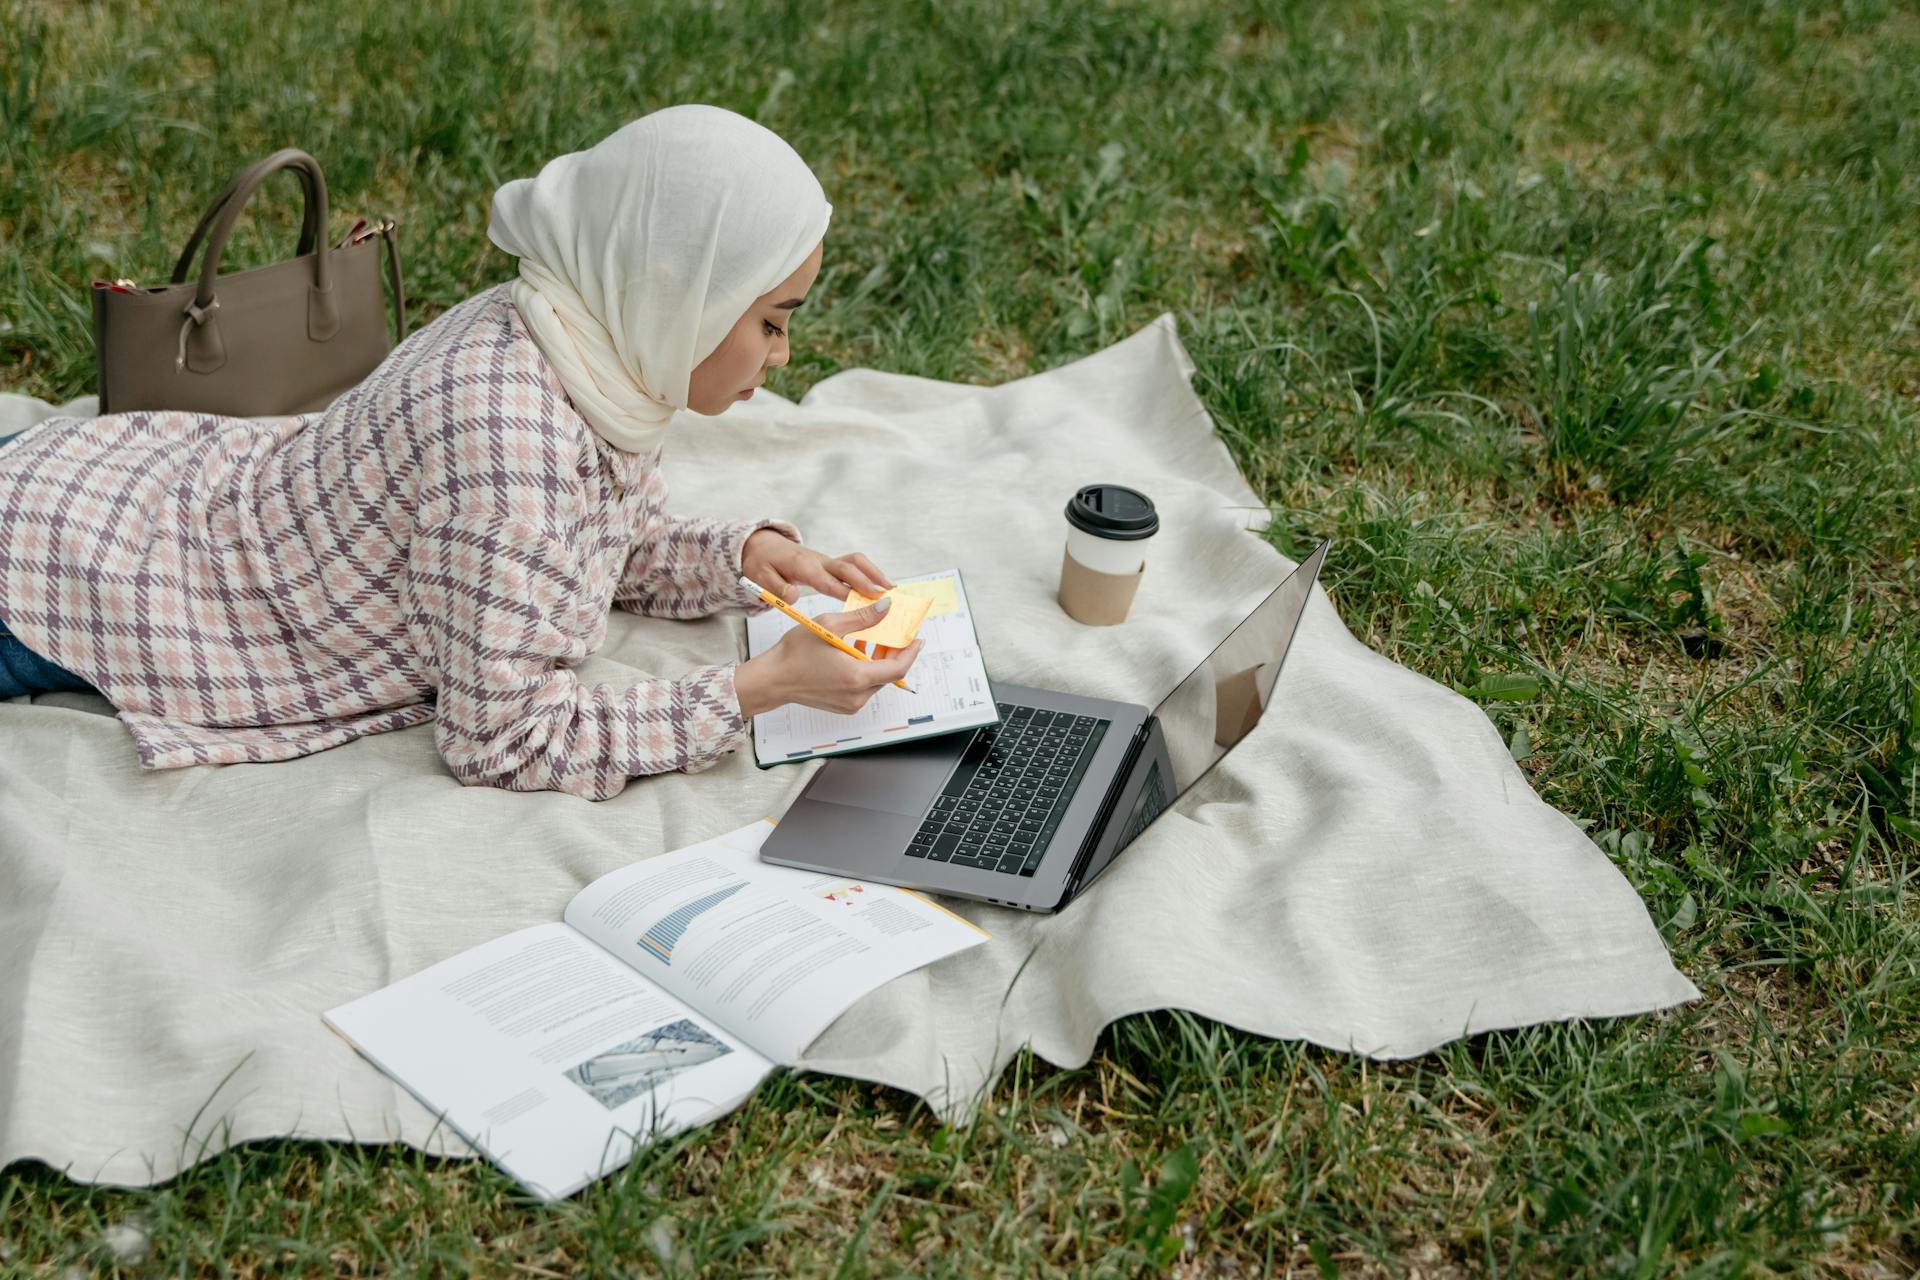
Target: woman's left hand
(784,567)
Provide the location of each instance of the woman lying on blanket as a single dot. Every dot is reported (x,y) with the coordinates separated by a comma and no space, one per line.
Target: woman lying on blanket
(443,542)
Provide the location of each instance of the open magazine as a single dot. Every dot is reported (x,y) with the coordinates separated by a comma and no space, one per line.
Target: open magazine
(949,682)
(669,990)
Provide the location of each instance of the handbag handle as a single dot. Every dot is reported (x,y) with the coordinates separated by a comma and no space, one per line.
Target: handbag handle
(310,228)
(323,316)
(310,232)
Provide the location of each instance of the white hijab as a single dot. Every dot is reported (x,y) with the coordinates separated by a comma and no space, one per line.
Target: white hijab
(639,254)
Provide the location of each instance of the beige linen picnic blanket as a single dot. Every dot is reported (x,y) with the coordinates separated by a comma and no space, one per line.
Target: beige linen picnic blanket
(1367,870)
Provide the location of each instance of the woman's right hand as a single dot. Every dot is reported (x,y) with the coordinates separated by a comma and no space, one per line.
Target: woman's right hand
(803,668)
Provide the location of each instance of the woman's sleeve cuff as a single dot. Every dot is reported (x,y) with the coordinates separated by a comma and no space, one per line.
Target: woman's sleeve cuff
(745,599)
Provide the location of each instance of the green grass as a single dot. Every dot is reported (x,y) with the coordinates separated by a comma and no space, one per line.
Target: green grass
(1587,330)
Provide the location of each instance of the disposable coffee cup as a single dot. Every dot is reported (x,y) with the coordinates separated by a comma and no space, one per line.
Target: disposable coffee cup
(1109,528)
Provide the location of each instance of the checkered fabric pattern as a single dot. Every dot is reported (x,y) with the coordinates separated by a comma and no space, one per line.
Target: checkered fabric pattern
(442,543)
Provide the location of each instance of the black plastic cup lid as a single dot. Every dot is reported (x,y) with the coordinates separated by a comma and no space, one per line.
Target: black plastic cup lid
(1113,511)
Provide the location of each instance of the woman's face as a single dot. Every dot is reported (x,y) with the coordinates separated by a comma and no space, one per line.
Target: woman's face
(757,343)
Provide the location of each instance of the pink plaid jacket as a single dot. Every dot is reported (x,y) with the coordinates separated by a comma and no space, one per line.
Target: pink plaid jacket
(440,544)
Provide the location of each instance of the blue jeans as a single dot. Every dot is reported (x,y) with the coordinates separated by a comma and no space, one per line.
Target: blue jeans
(24,671)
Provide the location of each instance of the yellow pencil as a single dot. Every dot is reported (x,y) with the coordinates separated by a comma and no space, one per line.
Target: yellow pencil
(801,618)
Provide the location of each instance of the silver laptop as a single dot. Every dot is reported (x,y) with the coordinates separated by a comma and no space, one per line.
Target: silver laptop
(1027,813)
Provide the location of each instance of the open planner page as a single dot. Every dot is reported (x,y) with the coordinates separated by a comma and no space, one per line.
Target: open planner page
(770,953)
(550,1055)
(949,681)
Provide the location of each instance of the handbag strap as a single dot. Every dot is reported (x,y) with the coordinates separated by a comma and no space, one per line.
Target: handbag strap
(393,278)
(386,229)
(227,211)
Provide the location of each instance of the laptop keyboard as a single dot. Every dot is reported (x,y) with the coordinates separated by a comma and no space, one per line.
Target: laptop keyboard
(1004,801)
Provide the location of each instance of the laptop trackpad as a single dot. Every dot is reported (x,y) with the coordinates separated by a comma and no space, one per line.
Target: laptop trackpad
(902,779)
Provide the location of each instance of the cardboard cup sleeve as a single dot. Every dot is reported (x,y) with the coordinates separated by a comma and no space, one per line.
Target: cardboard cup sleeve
(1097,599)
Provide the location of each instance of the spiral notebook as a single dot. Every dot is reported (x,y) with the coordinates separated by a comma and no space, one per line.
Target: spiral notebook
(950,686)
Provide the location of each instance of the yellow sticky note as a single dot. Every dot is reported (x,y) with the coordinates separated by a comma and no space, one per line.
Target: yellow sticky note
(899,627)
(937,590)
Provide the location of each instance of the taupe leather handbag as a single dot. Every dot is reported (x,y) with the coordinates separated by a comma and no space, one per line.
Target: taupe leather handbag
(280,339)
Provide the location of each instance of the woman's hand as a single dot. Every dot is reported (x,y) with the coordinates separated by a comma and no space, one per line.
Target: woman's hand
(803,668)
(783,567)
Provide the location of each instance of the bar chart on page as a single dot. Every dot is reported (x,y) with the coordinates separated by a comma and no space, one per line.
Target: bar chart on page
(666,931)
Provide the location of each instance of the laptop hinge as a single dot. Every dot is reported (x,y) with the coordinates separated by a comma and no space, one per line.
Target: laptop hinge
(1108,803)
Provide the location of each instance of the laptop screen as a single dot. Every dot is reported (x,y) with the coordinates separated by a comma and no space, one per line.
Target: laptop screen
(1214,707)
